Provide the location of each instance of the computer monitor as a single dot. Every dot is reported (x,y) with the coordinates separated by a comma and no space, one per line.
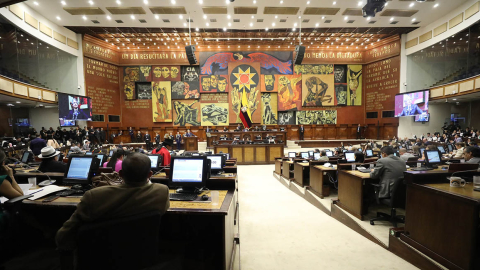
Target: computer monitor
(155,160)
(316,156)
(310,153)
(329,153)
(369,153)
(344,150)
(189,173)
(421,151)
(432,158)
(101,157)
(395,153)
(89,153)
(441,149)
(217,163)
(292,154)
(80,170)
(111,153)
(304,155)
(450,147)
(350,157)
(27,155)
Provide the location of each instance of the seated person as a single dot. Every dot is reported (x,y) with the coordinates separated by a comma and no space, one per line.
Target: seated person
(138,195)
(317,150)
(8,186)
(76,148)
(116,160)
(459,152)
(472,155)
(235,140)
(50,161)
(225,129)
(238,128)
(359,157)
(388,169)
(323,156)
(258,137)
(247,140)
(86,146)
(404,154)
(270,139)
(52,142)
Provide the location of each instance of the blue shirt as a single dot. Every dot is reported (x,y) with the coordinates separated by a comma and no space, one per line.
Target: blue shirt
(36,145)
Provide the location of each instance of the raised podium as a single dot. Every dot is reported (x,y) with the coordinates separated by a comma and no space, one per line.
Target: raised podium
(190,143)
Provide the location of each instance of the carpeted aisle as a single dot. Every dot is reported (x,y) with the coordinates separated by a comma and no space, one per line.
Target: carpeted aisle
(279,230)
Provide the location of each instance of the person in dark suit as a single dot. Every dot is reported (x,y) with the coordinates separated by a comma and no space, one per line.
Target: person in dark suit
(301,131)
(148,140)
(49,161)
(157,138)
(388,169)
(139,136)
(359,132)
(137,195)
(410,108)
(102,135)
(37,144)
(132,134)
(178,140)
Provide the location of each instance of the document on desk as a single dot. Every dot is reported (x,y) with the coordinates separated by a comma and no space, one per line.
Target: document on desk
(38,193)
(25,188)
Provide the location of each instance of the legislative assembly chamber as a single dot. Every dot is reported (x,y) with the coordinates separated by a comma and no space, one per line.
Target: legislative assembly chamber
(239,134)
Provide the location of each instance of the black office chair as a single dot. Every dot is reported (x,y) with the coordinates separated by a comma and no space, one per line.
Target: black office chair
(124,243)
(397,199)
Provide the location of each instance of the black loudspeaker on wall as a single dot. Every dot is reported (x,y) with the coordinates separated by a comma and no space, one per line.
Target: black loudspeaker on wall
(300,51)
(190,50)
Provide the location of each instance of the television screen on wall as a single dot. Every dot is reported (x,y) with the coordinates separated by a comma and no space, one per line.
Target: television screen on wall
(411,103)
(422,117)
(73,107)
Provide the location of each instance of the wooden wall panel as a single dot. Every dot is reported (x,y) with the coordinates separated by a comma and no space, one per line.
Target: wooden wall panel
(331,132)
(6,85)
(466,86)
(319,133)
(342,132)
(438,92)
(260,154)
(20,89)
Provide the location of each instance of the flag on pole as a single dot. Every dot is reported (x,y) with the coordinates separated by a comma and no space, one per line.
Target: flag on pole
(245,114)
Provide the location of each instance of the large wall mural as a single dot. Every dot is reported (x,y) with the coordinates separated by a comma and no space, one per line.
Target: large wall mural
(269,109)
(244,77)
(162,101)
(289,92)
(270,62)
(186,113)
(324,117)
(354,83)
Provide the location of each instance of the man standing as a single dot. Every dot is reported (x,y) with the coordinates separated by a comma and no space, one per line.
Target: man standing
(139,136)
(148,140)
(359,132)
(102,135)
(117,201)
(132,134)
(157,138)
(388,169)
(37,144)
(301,131)
(178,140)
(189,133)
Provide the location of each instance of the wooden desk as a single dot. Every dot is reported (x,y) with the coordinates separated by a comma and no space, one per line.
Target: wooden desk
(301,173)
(252,154)
(443,221)
(351,189)
(318,176)
(278,166)
(191,143)
(287,169)
(280,135)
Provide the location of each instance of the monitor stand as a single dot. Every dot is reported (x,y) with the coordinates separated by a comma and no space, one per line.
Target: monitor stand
(191,190)
(430,166)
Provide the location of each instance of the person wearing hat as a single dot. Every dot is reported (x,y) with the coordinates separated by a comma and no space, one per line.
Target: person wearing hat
(50,163)
(163,150)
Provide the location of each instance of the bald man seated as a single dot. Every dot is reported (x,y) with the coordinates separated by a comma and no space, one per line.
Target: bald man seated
(134,197)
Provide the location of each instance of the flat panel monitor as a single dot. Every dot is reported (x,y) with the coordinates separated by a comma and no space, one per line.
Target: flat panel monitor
(101,157)
(74,107)
(217,162)
(432,157)
(27,155)
(396,154)
(411,103)
(316,156)
(425,117)
(89,153)
(304,155)
(188,172)
(450,147)
(441,149)
(292,154)
(344,150)
(80,169)
(369,153)
(66,123)
(350,157)
(154,161)
(111,153)
(227,155)
(310,153)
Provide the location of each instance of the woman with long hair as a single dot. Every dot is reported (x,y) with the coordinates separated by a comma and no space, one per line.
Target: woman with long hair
(116,160)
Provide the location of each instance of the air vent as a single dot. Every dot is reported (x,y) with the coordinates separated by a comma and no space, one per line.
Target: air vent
(84,10)
(328,21)
(320,11)
(281,10)
(305,21)
(351,21)
(388,114)
(126,10)
(168,10)
(214,10)
(415,23)
(372,115)
(95,21)
(259,20)
(245,10)
(98,118)
(372,22)
(213,20)
(353,12)
(114,118)
(119,21)
(166,20)
(142,21)
(399,13)
(189,20)
(394,22)
(283,20)
(236,20)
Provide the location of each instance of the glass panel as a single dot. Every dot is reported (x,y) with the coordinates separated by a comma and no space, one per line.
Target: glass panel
(8,49)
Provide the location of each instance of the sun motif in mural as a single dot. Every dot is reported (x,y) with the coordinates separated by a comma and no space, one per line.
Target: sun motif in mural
(243,78)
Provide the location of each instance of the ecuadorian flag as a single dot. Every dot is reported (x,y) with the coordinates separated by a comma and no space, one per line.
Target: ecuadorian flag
(245,114)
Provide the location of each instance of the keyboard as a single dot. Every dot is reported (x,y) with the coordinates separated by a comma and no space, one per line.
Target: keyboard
(183,197)
(70,192)
(421,169)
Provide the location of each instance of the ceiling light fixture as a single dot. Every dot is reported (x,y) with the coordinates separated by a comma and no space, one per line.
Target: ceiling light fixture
(436,5)
(205,16)
(180,16)
(346,18)
(273,24)
(334,3)
(108,17)
(224,29)
(36,3)
(84,17)
(251,24)
(228,16)
(281,2)
(119,2)
(63,3)
(414,19)
(196,29)
(254,1)
(266,29)
(200,2)
(411,5)
(91,2)
(157,17)
(360,3)
(133,17)
(145,1)
(293,29)
(58,18)
(392,18)
(208,24)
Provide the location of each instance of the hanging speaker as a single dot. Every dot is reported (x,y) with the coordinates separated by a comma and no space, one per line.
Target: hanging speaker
(300,51)
(190,50)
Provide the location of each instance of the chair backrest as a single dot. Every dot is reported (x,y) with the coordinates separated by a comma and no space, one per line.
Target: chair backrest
(455,167)
(124,243)
(397,194)
(105,170)
(412,159)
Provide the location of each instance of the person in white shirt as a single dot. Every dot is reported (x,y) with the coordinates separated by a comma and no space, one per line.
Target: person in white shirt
(472,155)
(404,154)
(460,148)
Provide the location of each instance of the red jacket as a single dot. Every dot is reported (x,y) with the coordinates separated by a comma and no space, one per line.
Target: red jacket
(166,156)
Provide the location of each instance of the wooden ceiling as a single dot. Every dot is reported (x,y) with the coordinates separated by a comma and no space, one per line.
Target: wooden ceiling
(149,38)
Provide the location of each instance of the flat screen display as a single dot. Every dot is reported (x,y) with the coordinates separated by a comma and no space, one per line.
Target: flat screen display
(421,151)
(350,157)
(433,156)
(153,161)
(422,117)
(100,157)
(369,153)
(79,168)
(410,104)
(304,154)
(66,123)
(291,154)
(316,156)
(25,156)
(73,107)
(441,149)
(216,162)
(187,171)
(329,153)
(450,148)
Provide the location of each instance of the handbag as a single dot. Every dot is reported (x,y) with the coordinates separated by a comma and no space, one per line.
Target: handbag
(107,179)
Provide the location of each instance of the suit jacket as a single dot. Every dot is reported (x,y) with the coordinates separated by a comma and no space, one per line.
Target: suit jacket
(104,203)
(301,130)
(474,160)
(52,166)
(36,146)
(388,170)
(414,109)
(147,138)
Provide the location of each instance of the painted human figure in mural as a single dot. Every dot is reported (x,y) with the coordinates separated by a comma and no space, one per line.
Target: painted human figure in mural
(268,116)
(174,72)
(269,82)
(286,94)
(186,114)
(316,92)
(162,102)
(213,82)
(222,84)
(205,83)
(353,84)
(165,72)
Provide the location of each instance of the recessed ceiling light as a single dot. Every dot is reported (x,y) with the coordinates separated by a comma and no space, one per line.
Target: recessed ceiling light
(293,29)
(119,2)
(196,29)
(411,5)
(58,18)
(273,24)
(392,18)
(281,2)
(386,4)
(108,17)
(228,16)
(229,24)
(436,5)
(323,17)
(345,18)
(180,16)
(368,18)
(208,24)
(276,16)
(91,2)
(266,29)
(157,17)
(334,3)
(360,3)
(295,24)
(145,1)
(185,24)
(252,17)
(251,24)
(200,2)
(173,3)
(36,3)
(84,17)
(63,3)
(205,16)
(227,2)
(308,2)
(224,29)
(316,25)
(133,17)
(414,19)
